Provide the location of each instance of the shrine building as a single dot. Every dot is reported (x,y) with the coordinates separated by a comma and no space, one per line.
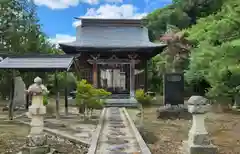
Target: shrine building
(113,53)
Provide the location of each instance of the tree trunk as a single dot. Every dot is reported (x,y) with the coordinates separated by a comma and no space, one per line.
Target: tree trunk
(81,108)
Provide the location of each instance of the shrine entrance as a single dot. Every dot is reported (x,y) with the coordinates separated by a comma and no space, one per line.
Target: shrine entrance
(113,78)
(116,75)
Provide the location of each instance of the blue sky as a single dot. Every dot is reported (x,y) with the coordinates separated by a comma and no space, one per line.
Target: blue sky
(57,16)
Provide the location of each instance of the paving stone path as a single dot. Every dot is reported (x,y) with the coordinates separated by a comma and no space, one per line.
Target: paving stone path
(116,136)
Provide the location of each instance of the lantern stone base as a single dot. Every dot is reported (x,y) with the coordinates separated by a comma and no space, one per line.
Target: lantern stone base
(36,150)
(36,140)
(198,149)
(36,144)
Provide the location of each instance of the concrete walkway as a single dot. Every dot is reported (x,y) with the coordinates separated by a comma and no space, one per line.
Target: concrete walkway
(117,134)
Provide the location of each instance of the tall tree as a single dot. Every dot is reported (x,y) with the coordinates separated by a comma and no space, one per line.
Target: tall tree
(20,33)
(177,51)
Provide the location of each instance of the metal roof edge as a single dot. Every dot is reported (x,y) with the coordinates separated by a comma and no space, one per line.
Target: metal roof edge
(118,47)
(41,56)
(96,22)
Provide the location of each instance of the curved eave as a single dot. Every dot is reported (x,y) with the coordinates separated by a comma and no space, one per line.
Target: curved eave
(149,49)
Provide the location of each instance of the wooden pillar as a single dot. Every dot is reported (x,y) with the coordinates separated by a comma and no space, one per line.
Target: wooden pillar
(146,76)
(125,70)
(28,96)
(132,78)
(95,72)
(66,93)
(99,77)
(127,79)
(11,103)
(57,96)
(112,79)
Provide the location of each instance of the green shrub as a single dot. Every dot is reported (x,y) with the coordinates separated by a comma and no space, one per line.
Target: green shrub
(45,100)
(143,98)
(97,104)
(89,96)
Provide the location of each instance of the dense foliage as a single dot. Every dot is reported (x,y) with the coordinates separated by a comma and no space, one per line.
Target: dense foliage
(182,14)
(210,29)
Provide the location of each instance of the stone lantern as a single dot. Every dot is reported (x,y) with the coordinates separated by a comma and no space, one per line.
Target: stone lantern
(37,140)
(198,139)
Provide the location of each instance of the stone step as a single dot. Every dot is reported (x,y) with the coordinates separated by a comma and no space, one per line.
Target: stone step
(120,104)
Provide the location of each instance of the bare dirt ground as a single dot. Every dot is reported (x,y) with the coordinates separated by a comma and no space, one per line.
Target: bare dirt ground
(12,136)
(166,136)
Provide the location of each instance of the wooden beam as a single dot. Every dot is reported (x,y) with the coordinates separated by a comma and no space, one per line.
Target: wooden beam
(66,93)
(57,96)
(95,75)
(112,61)
(146,76)
(28,97)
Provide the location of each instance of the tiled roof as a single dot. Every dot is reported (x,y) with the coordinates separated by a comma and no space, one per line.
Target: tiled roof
(94,36)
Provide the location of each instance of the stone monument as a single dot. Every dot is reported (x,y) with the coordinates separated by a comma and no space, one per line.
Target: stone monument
(19,98)
(198,139)
(37,140)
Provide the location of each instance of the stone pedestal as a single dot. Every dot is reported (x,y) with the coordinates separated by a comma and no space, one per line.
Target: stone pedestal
(198,139)
(36,140)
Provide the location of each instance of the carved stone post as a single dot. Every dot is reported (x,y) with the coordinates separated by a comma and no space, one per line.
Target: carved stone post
(198,139)
(36,140)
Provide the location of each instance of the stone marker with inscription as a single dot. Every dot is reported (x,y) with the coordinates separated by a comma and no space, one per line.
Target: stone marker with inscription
(19,98)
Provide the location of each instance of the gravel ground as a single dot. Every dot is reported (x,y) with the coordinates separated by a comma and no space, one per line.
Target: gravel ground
(13,137)
(166,136)
(64,146)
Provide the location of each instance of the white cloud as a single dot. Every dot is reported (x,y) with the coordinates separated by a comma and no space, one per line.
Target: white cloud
(63,4)
(62,38)
(114,1)
(57,4)
(112,11)
(90,1)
